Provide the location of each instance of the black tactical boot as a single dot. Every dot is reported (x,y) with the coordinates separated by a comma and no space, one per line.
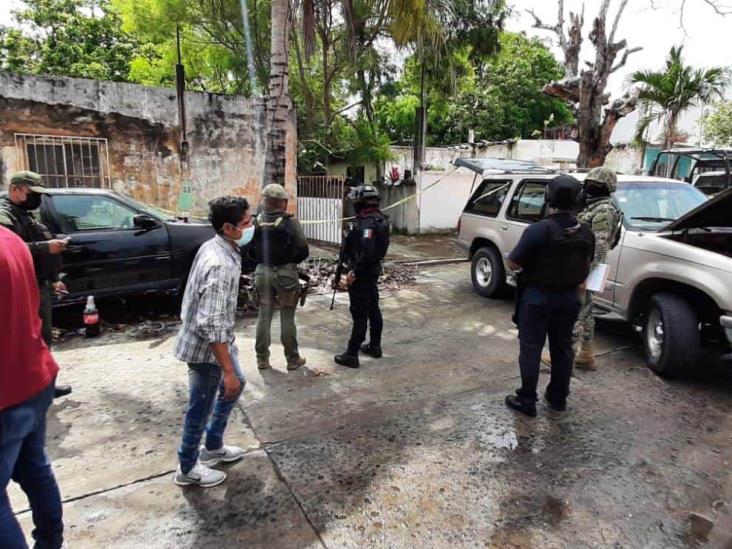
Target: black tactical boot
(371,350)
(61,391)
(554,404)
(351,361)
(516,403)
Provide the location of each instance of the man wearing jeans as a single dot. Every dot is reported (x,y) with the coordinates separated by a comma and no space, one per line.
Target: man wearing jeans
(206,342)
(27,374)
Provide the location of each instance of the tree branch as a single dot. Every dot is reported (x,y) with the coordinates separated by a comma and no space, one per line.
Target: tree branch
(557,29)
(624,59)
(718,8)
(614,28)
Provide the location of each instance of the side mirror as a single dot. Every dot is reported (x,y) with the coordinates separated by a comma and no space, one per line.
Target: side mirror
(145,222)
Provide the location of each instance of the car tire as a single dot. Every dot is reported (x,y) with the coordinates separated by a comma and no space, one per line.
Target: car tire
(487,272)
(670,335)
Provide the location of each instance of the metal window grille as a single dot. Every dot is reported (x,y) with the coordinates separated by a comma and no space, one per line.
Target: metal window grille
(65,161)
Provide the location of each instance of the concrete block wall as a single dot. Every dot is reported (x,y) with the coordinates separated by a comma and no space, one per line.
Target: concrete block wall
(226,134)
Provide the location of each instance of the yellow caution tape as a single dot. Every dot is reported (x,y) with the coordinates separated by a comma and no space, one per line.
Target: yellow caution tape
(398,203)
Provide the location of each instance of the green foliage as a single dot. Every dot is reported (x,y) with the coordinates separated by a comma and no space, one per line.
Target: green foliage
(80,38)
(499,96)
(212,42)
(666,94)
(718,125)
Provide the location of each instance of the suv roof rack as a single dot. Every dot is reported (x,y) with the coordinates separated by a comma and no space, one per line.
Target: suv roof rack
(487,166)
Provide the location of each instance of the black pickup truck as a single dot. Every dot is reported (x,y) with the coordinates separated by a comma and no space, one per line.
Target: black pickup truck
(118,246)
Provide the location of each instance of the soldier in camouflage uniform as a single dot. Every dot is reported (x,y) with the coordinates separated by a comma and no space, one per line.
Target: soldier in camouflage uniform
(604,219)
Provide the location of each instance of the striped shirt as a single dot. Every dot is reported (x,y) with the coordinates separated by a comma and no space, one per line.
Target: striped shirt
(209,302)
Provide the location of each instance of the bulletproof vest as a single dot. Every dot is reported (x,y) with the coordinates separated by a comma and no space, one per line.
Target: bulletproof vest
(273,242)
(29,229)
(565,263)
(372,240)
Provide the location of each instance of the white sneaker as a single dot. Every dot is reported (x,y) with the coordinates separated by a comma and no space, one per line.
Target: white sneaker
(225,454)
(199,475)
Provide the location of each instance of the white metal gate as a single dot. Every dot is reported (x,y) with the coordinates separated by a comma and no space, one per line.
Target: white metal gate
(320,206)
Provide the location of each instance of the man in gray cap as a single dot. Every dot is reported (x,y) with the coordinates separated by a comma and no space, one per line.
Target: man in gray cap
(25,195)
(279,245)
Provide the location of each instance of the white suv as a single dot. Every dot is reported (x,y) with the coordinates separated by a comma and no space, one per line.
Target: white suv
(670,274)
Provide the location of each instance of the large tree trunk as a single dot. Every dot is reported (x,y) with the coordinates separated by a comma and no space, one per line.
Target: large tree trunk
(585,88)
(278,104)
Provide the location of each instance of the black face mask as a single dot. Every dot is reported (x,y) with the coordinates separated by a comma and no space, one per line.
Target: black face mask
(32,202)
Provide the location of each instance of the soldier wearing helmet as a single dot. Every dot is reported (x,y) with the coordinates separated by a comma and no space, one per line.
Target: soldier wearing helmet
(363,250)
(279,245)
(601,215)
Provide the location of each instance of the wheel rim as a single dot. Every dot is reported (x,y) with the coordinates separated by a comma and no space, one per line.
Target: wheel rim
(654,334)
(483,271)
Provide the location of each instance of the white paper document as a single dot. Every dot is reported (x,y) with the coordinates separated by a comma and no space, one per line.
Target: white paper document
(597,278)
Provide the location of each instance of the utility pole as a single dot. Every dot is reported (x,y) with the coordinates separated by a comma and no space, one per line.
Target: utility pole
(185,197)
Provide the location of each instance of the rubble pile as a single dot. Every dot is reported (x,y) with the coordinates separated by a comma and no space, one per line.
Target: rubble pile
(322,271)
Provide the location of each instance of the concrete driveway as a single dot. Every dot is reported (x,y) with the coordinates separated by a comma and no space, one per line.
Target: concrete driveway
(413,450)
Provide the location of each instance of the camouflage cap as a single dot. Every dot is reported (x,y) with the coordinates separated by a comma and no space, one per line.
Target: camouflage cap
(275,190)
(603,175)
(32,179)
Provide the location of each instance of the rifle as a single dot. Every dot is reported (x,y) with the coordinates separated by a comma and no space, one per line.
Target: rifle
(339,269)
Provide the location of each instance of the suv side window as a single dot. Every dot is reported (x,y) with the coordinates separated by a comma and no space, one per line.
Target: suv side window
(488,198)
(93,213)
(663,165)
(527,204)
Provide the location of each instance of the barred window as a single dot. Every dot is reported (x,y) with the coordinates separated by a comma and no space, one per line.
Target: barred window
(65,161)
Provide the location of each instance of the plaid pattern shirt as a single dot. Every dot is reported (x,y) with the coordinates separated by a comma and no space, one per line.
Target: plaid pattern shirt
(209,302)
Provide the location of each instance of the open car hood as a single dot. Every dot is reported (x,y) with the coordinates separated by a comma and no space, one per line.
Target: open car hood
(717,212)
(498,165)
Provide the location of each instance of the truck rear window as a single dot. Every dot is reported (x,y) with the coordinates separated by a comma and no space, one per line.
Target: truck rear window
(488,198)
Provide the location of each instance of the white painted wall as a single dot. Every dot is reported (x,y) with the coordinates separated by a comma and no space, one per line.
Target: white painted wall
(441,205)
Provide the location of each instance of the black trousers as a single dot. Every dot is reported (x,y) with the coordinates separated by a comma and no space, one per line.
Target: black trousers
(545,313)
(364,298)
(46,312)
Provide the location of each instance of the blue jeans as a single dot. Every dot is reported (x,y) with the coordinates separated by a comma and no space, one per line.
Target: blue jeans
(545,313)
(205,381)
(23,458)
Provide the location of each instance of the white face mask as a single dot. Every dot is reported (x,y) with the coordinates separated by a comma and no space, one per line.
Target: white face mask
(246,236)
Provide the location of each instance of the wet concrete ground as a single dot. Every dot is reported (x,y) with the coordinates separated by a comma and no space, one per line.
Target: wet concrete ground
(413,450)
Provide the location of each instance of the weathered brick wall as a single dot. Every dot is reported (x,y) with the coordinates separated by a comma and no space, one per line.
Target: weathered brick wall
(226,135)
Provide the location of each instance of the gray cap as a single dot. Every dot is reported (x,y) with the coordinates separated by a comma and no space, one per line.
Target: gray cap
(274,190)
(32,179)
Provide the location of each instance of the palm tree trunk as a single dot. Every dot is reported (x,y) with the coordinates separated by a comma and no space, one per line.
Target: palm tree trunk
(278,105)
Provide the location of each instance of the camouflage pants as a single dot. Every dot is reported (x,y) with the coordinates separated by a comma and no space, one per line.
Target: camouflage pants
(584,329)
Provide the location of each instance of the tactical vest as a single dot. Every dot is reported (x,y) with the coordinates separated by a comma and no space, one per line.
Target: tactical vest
(566,262)
(273,242)
(613,219)
(372,241)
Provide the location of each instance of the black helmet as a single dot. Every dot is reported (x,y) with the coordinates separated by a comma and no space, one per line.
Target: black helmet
(562,192)
(364,193)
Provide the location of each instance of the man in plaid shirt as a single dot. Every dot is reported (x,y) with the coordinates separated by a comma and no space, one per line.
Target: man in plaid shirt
(206,342)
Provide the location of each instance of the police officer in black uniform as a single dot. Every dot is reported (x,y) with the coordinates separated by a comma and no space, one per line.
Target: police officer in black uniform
(24,196)
(365,246)
(554,257)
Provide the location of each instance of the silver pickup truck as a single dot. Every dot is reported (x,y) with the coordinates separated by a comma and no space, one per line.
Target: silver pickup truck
(670,274)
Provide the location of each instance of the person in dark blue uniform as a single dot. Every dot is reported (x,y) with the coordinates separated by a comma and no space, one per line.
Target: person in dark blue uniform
(554,257)
(365,246)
